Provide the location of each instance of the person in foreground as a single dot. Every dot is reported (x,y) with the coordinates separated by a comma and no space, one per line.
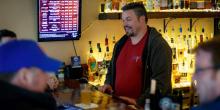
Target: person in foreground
(7,35)
(138,57)
(24,70)
(207,75)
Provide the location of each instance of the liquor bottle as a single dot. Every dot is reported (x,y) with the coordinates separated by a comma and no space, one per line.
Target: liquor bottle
(180,38)
(185,66)
(122,3)
(157,5)
(170,4)
(115,5)
(193,4)
(113,40)
(61,78)
(108,5)
(191,64)
(149,5)
(173,46)
(189,41)
(174,51)
(91,60)
(107,57)
(184,41)
(200,4)
(189,44)
(181,45)
(100,56)
(202,35)
(182,4)
(218,5)
(181,67)
(106,40)
(195,39)
(187,4)
(176,4)
(102,8)
(164,4)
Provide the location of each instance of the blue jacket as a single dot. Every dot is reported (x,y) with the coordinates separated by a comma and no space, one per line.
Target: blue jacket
(215,105)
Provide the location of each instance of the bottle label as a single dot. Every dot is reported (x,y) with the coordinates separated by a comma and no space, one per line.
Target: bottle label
(92,66)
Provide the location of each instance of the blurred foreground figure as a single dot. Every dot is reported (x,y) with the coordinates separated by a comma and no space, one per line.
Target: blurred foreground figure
(24,70)
(207,75)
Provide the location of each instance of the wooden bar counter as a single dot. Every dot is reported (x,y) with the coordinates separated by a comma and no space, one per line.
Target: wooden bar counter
(75,93)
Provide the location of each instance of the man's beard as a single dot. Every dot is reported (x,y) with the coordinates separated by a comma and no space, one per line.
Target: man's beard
(129,32)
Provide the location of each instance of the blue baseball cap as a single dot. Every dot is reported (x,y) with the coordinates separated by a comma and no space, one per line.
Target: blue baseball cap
(17,54)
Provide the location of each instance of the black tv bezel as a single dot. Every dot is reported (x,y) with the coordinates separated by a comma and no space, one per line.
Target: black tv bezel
(59,39)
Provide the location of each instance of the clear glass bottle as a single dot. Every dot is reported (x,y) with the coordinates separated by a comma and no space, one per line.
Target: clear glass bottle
(147,104)
(164,4)
(149,6)
(157,5)
(108,6)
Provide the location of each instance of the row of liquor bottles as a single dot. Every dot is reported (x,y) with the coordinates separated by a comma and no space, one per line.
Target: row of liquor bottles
(182,45)
(157,5)
(99,61)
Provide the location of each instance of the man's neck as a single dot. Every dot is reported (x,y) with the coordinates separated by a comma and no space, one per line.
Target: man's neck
(136,39)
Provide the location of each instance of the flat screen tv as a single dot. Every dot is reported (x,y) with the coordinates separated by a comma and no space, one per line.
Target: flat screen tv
(59,20)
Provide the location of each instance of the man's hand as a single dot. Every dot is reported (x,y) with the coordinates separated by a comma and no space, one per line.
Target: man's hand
(52,82)
(128,100)
(106,89)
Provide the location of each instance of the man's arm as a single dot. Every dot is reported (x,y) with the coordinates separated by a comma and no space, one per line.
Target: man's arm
(161,66)
(107,87)
(109,76)
(161,63)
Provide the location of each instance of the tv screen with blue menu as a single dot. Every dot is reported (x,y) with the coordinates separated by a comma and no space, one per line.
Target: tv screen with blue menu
(59,20)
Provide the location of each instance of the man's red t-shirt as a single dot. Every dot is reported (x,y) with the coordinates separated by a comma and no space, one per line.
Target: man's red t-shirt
(129,69)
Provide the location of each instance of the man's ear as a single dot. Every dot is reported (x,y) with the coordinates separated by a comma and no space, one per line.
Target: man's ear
(142,19)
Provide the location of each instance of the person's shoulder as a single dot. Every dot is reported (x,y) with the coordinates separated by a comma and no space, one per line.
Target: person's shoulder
(14,97)
(156,38)
(215,105)
(154,35)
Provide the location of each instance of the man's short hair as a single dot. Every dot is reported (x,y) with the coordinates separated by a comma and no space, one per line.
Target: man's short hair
(212,46)
(7,33)
(138,8)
